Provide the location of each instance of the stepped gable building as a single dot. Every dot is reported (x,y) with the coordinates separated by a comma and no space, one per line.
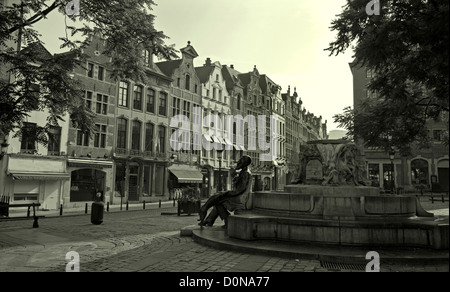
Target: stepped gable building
(186,100)
(216,127)
(89,158)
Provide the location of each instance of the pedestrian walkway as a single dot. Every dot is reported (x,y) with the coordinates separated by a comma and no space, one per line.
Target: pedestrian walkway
(145,240)
(86,209)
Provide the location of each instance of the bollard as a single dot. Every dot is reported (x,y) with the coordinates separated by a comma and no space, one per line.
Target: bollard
(143,204)
(107,207)
(61,210)
(97,210)
(35,221)
(86,208)
(127,206)
(159,203)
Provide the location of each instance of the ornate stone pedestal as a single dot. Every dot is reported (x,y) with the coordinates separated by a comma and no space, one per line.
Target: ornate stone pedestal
(337,213)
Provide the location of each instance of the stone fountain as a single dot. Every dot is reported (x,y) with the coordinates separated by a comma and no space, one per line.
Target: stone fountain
(333,204)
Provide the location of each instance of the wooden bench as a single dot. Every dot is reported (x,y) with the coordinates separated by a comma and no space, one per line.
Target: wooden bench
(5,212)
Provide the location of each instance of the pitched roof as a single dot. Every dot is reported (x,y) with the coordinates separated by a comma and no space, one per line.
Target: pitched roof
(167,67)
(38,49)
(204,73)
(231,77)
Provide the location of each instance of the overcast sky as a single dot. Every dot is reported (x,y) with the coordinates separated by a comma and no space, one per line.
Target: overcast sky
(285,39)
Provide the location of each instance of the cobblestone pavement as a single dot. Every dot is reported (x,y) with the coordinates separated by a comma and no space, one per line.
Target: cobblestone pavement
(144,241)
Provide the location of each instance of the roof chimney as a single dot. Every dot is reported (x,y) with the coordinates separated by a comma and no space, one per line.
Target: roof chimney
(232,66)
(208,62)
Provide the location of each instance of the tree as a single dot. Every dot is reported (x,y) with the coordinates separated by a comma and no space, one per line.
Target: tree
(32,79)
(406,47)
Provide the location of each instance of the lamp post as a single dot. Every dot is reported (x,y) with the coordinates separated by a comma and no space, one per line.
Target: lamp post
(392,157)
(219,156)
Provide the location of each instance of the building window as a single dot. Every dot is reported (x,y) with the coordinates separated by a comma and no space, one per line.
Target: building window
(102,104)
(188,82)
(214,93)
(187,109)
(176,106)
(90,70)
(123,94)
(162,139)
(196,88)
(28,143)
(374,175)
(101,73)
(136,136)
(150,100)
(419,172)
(100,136)
(82,138)
(162,103)
(149,131)
(207,93)
(54,140)
(437,135)
(137,101)
(122,125)
(238,102)
(178,82)
(88,99)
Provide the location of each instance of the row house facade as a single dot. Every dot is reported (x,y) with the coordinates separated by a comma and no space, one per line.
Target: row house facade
(30,172)
(89,160)
(136,153)
(216,126)
(185,101)
(301,127)
(422,168)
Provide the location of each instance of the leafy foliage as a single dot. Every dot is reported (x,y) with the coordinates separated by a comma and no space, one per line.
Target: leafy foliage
(33,79)
(407,48)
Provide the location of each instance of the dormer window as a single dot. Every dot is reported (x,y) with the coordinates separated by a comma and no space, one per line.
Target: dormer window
(146,58)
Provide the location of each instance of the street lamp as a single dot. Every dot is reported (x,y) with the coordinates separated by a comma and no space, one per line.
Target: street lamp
(219,156)
(392,157)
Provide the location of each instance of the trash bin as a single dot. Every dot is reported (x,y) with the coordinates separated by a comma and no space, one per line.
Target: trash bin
(97,210)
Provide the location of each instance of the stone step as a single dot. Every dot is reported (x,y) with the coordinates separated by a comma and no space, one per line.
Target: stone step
(410,232)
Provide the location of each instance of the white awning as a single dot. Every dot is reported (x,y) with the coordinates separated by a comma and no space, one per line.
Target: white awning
(39,175)
(186,174)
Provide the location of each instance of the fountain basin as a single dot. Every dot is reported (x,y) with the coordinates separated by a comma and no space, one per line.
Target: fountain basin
(344,215)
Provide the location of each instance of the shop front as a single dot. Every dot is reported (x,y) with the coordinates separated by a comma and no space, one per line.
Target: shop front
(34,179)
(87,178)
(184,176)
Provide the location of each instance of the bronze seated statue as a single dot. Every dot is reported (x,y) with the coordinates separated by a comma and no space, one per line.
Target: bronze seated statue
(224,202)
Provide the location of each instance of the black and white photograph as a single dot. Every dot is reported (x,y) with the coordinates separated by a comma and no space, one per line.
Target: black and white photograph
(224,143)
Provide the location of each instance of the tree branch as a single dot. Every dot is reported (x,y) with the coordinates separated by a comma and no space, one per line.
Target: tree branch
(35,18)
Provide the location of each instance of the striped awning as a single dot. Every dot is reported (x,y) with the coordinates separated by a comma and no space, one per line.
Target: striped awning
(39,176)
(186,174)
